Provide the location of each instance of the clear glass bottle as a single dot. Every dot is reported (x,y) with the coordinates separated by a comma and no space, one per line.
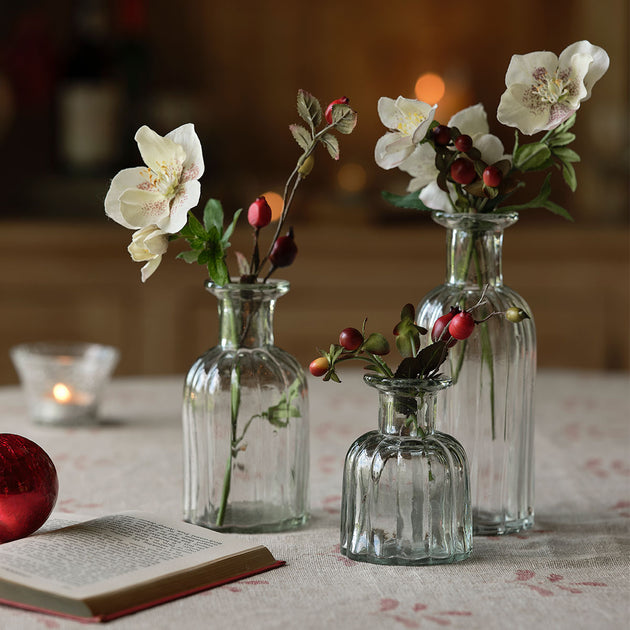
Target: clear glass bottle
(245,417)
(490,408)
(406,498)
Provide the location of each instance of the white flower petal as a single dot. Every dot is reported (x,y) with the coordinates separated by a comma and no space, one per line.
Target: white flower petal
(421,165)
(392,149)
(147,271)
(127,178)
(187,197)
(186,137)
(491,148)
(387,112)
(157,152)
(523,67)
(513,113)
(140,208)
(432,196)
(472,121)
(597,67)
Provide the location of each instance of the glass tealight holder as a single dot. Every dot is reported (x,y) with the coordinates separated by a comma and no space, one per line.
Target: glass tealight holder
(63,382)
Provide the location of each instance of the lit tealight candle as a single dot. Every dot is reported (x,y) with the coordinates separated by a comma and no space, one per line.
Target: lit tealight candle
(61,393)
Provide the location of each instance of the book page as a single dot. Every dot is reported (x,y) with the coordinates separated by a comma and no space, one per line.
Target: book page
(109,553)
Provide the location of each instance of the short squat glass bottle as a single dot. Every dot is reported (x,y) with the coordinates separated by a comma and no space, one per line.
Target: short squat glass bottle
(406,498)
(245,415)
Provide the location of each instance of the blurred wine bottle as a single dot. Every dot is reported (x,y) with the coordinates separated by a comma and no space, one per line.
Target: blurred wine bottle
(90,95)
(133,70)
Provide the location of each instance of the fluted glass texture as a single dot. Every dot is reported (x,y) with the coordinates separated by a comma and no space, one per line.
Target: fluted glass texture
(490,406)
(406,497)
(245,417)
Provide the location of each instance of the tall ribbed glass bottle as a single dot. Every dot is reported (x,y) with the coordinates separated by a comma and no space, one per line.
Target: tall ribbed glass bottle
(490,406)
(245,416)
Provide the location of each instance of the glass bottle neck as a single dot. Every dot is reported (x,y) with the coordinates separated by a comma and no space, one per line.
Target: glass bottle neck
(473,257)
(407,415)
(245,321)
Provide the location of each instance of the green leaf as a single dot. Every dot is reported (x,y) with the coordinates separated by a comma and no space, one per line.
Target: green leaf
(189,256)
(214,257)
(344,118)
(218,271)
(213,214)
(411,201)
(561,139)
(541,201)
(556,209)
(428,360)
(225,239)
(566,125)
(565,154)
(532,157)
(309,108)
(569,176)
(196,228)
(302,136)
(332,145)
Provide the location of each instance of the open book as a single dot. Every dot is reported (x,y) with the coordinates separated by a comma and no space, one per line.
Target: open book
(114,565)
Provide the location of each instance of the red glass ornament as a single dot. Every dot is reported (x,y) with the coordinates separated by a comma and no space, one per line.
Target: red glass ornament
(28,487)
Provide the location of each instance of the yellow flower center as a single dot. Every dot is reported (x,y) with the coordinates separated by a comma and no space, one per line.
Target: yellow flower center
(410,123)
(551,88)
(167,179)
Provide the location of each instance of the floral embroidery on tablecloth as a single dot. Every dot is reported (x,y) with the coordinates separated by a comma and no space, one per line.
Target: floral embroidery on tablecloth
(73,505)
(596,466)
(336,552)
(551,584)
(332,504)
(622,508)
(419,612)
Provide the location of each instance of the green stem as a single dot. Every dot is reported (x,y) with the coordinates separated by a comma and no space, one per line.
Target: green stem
(486,352)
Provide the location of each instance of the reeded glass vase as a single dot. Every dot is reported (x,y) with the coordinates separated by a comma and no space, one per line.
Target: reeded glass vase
(490,407)
(245,417)
(406,498)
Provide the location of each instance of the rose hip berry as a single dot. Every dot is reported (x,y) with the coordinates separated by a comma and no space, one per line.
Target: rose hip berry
(259,213)
(344,100)
(440,329)
(441,135)
(319,366)
(492,176)
(350,339)
(462,325)
(463,143)
(463,171)
(515,315)
(284,250)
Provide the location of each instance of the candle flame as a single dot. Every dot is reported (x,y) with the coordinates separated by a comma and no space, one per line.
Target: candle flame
(61,393)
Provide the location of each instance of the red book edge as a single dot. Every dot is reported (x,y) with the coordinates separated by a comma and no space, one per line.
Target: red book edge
(156,602)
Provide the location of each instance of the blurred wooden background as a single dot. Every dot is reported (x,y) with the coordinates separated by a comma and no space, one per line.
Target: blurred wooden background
(234,70)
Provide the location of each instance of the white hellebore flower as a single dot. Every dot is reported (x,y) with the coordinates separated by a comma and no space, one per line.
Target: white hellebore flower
(408,121)
(148,245)
(161,193)
(544,90)
(472,121)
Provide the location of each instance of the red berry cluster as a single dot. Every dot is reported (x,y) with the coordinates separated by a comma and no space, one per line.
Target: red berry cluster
(461,162)
(454,326)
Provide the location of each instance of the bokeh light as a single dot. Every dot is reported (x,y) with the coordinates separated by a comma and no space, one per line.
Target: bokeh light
(275,203)
(430,88)
(352,177)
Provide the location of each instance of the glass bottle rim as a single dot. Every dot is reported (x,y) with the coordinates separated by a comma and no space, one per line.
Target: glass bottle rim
(478,220)
(407,386)
(270,288)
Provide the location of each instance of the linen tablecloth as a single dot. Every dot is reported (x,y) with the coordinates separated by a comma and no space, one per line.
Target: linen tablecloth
(570,571)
